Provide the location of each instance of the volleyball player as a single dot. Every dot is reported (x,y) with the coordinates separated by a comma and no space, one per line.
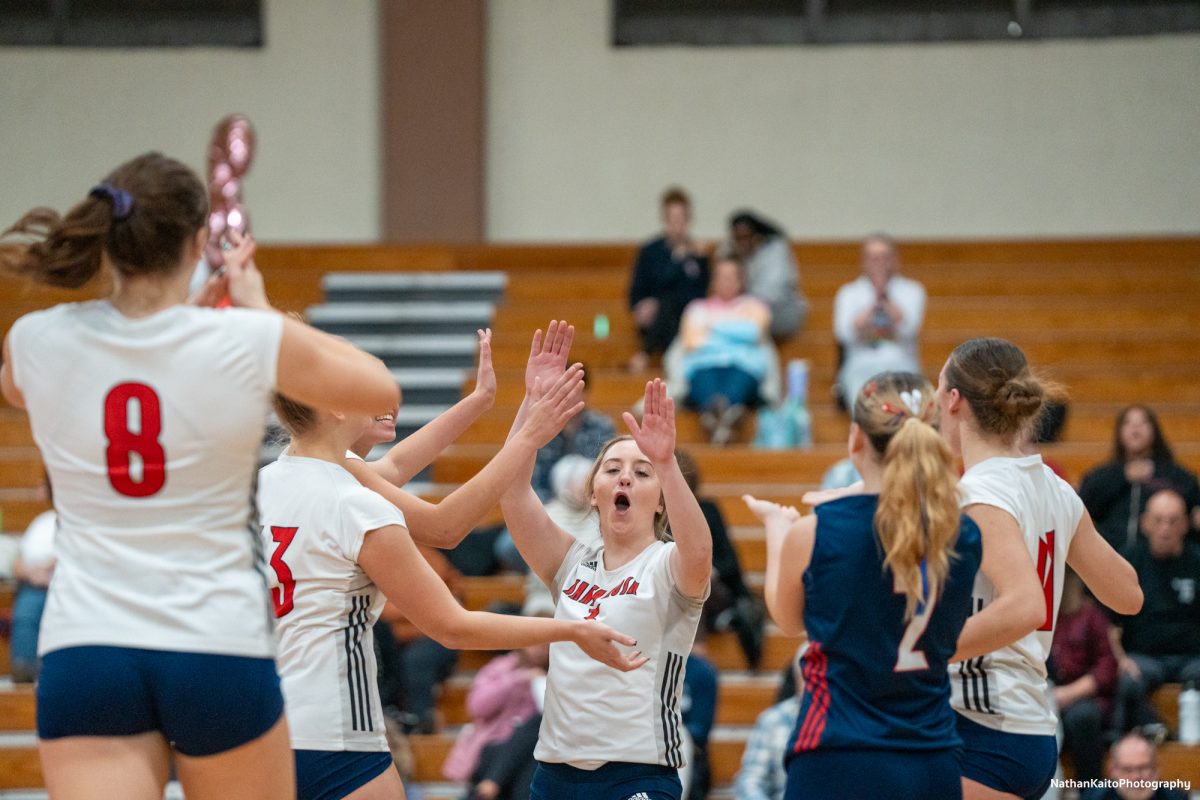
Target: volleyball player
(606,733)
(880,579)
(148,413)
(1033,525)
(337,549)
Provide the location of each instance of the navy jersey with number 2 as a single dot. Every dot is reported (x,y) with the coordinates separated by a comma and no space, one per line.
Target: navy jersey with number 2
(873,682)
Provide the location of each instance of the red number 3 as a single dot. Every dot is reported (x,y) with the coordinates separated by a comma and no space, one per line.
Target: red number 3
(282,597)
(144,442)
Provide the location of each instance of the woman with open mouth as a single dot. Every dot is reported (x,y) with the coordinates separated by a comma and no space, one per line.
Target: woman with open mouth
(605,732)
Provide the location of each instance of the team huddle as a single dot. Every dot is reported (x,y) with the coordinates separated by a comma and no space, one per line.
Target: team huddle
(929,601)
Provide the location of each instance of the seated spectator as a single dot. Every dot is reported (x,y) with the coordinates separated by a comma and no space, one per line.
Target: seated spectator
(1084,672)
(1161,643)
(500,699)
(670,272)
(412,667)
(505,769)
(571,510)
(32,568)
(725,350)
(876,319)
(762,776)
(1115,493)
(771,271)
(730,604)
(1132,760)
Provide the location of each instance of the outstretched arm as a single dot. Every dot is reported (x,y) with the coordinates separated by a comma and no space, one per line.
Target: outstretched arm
(447,523)
(790,540)
(393,562)
(415,452)
(691,563)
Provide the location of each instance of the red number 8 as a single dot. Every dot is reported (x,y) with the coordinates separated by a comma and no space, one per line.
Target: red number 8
(122,441)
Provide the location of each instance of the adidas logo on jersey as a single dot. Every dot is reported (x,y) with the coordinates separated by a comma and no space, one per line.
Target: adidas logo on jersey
(589,565)
(638,796)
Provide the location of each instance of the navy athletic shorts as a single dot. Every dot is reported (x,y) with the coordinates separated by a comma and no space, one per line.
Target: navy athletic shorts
(616,780)
(868,774)
(202,704)
(333,774)
(1018,763)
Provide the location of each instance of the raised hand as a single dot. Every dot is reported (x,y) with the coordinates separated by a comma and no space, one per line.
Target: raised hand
(485,375)
(655,436)
(600,642)
(548,355)
(559,402)
(766,511)
(245,281)
(212,292)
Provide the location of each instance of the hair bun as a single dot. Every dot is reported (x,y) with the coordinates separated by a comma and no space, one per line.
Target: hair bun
(1019,398)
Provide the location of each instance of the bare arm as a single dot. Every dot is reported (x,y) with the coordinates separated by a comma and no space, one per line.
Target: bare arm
(1111,578)
(448,522)
(415,452)
(790,540)
(691,563)
(1019,607)
(392,561)
(9,389)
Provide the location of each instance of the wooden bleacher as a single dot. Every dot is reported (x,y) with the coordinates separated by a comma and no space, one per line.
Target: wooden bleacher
(1113,320)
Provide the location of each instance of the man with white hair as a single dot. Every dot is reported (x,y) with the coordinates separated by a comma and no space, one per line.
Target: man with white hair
(1133,763)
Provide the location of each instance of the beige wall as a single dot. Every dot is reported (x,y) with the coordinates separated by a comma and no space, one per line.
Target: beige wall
(69,115)
(1004,139)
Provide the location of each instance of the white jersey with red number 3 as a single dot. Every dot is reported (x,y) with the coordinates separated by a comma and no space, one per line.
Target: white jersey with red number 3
(150,431)
(1007,690)
(315,516)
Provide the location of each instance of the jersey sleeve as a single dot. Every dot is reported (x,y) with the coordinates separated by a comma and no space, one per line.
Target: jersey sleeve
(988,491)
(570,561)
(21,338)
(665,579)
(361,511)
(261,332)
(1074,502)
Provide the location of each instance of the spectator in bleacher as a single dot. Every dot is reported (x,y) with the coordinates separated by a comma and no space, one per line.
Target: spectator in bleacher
(500,699)
(726,350)
(1133,759)
(762,776)
(876,318)
(412,666)
(1116,493)
(1162,643)
(32,568)
(670,272)
(772,274)
(730,604)
(1084,672)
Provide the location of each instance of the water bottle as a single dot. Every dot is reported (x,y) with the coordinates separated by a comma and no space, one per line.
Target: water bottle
(600,327)
(797,401)
(1189,714)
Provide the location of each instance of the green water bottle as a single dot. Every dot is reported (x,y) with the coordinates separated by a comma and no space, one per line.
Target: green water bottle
(600,327)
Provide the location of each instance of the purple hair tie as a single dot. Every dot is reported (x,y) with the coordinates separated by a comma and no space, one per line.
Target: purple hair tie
(122,201)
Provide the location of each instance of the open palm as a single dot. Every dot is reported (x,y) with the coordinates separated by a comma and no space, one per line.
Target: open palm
(548,355)
(655,436)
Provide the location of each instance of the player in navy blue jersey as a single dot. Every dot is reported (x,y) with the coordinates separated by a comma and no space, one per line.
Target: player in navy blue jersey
(881,582)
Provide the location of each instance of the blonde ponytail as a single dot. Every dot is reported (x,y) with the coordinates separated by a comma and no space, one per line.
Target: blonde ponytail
(917,518)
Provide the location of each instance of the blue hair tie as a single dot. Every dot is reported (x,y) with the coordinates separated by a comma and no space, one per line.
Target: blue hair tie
(122,201)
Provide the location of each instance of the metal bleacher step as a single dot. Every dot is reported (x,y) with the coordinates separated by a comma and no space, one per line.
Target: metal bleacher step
(409,350)
(373,287)
(395,318)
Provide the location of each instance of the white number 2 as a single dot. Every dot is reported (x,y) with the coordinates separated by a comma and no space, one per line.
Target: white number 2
(908,658)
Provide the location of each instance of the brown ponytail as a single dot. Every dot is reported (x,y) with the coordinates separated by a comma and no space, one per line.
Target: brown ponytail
(167,205)
(917,518)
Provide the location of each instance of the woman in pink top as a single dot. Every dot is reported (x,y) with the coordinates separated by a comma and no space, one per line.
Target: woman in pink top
(726,349)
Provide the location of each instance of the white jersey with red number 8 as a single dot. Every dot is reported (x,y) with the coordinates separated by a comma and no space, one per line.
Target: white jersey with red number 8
(150,431)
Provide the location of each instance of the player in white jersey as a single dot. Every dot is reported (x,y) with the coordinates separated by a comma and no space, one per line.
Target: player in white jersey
(334,547)
(1033,525)
(148,413)
(608,734)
